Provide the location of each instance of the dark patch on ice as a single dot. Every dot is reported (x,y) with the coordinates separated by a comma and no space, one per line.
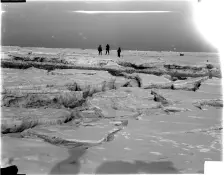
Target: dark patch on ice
(122,167)
(72,164)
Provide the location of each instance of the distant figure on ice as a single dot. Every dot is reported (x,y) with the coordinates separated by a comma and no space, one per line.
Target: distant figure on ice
(119,52)
(107,49)
(100,50)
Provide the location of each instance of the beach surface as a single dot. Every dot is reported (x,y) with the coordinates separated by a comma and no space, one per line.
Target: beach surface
(71,111)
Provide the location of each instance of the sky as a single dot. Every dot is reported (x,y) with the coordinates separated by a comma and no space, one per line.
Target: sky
(143,25)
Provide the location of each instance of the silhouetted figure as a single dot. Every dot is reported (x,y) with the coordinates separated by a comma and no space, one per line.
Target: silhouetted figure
(119,52)
(100,50)
(107,49)
(181,54)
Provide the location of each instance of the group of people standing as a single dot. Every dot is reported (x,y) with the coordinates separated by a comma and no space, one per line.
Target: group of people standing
(108,50)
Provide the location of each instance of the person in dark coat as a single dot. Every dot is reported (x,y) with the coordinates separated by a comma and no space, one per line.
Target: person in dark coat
(107,49)
(119,52)
(100,49)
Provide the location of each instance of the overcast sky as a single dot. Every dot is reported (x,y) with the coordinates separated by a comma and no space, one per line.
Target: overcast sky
(156,25)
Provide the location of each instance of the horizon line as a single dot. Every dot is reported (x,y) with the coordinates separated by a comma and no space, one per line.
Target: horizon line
(105,0)
(108,12)
(125,49)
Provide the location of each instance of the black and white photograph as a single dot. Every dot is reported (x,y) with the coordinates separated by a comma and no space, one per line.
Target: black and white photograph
(110,86)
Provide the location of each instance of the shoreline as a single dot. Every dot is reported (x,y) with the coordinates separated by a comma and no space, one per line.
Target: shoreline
(127,50)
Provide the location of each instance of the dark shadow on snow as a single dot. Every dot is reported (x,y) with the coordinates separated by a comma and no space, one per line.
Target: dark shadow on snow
(72,164)
(122,167)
